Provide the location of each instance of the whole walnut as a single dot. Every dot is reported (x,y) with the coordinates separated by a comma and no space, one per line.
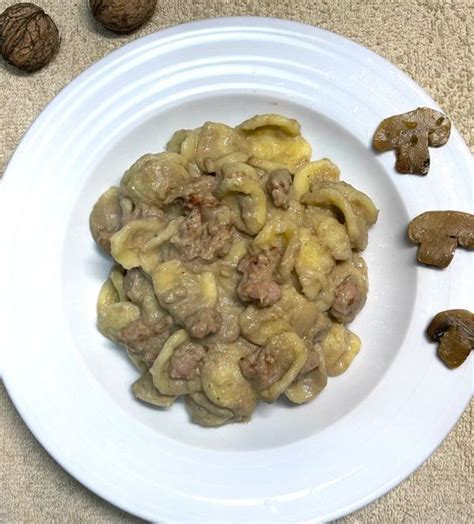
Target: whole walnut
(122,16)
(28,36)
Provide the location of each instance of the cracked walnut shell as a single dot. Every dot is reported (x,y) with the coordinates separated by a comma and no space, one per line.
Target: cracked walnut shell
(28,36)
(122,16)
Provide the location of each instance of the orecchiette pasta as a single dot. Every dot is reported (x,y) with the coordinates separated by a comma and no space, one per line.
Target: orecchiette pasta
(278,139)
(236,269)
(319,171)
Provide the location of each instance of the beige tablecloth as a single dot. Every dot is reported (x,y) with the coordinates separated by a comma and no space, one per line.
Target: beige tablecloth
(429,39)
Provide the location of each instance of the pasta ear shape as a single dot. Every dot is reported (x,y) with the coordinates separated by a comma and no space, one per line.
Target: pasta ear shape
(160,371)
(203,412)
(223,382)
(313,265)
(331,233)
(280,233)
(215,141)
(293,312)
(113,313)
(240,189)
(129,245)
(156,179)
(357,209)
(318,171)
(311,381)
(277,139)
(105,218)
(340,346)
(273,368)
(190,298)
(143,389)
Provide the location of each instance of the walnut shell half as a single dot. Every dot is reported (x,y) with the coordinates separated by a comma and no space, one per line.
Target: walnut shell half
(122,16)
(28,36)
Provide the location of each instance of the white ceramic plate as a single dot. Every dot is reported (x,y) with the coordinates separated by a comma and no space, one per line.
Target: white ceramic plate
(371,427)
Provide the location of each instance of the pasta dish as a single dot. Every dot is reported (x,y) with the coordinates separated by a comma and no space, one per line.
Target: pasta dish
(236,269)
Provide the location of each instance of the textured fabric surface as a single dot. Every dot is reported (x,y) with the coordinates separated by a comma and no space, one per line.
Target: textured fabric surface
(429,39)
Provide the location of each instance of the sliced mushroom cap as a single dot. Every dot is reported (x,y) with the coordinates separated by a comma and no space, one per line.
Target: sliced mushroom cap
(410,134)
(454,330)
(439,233)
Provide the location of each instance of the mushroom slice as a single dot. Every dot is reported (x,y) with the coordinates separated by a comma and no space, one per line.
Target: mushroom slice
(454,330)
(439,233)
(410,134)
(273,368)
(205,413)
(311,380)
(144,390)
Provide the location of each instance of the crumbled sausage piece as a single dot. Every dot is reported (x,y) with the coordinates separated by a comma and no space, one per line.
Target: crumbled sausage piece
(204,322)
(263,367)
(278,186)
(184,364)
(257,283)
(204,239)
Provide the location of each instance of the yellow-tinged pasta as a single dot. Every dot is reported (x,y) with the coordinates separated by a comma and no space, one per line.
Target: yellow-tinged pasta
(281,233)
(358,210)
(278,139)
(215,141)
(318,171)
(308,385)
(150,255)
(113,314)
(331,233)
(117,277)
(172,277)
(241,191)
(190,298)
(175,143)
(287,354)
(265,165)
(313,264)
(144,390)
(128,244)
(340,347)
(156,179)
(160,371)
(108,294)
(261,313)
(115,317)
(203,412)
(223,382)
(215,166)
(289,125)
(293,312)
